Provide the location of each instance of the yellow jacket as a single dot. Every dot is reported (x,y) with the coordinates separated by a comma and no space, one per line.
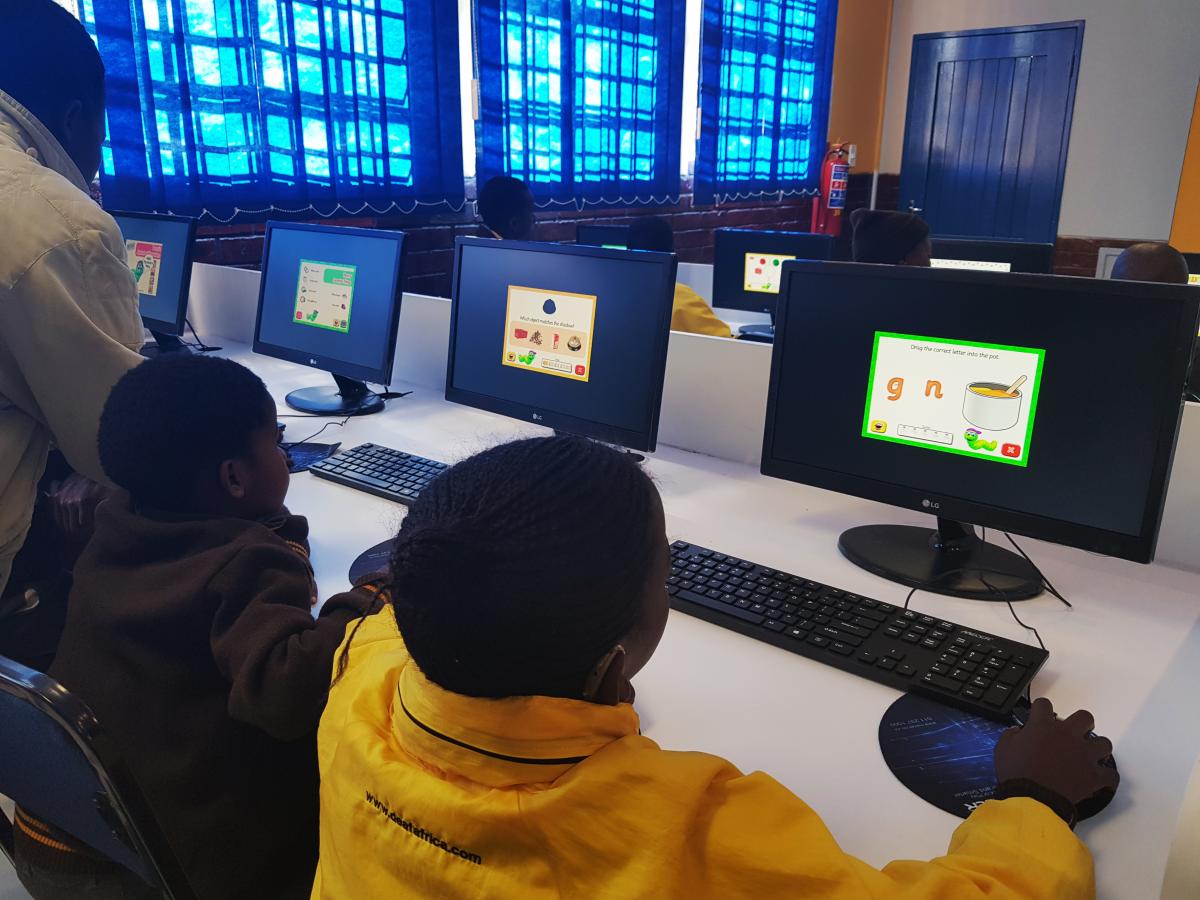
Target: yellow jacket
(691,313)
(430,794)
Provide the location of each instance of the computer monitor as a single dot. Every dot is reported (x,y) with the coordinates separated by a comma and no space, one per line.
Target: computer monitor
(992,256)
(615,237)
(1193,263)
(574,338)
(1046,406)
(158,249)
(330,299)
(748,270)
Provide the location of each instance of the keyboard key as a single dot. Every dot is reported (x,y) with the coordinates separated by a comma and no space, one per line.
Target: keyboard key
(997,695)
(867,657)
(775,626)
(1012,675)
(842,648)
(941,682)
(972,692)
(931,643)
(910,637)
(708,603)
(886,663)
(818,641)
(906,670)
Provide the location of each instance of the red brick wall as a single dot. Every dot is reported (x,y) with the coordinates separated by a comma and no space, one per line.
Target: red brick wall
(430,252)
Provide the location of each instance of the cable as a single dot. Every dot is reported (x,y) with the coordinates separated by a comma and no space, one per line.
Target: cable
(199,345)
(1041,575)
(321,429)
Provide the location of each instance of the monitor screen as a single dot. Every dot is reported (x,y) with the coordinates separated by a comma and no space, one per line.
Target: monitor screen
(1017,256)
(158,249)
(330,298)
(748,265)
(615,237)
(570,337)
(1012,410)
(979,265)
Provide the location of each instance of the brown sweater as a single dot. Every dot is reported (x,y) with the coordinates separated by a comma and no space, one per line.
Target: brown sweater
(193,643)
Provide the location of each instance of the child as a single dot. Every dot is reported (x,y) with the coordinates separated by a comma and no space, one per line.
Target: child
(689,312)
(189,634)
(505,206)
(493,751)
(887,236)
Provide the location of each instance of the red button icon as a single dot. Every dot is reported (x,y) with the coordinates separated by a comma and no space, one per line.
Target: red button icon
(579,370)
(1011,450)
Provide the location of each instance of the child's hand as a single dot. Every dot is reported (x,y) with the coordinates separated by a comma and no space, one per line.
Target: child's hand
(1061,755)
(74,505)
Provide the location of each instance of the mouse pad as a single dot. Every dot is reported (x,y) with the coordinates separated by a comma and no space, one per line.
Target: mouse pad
(941,754)
(371,561)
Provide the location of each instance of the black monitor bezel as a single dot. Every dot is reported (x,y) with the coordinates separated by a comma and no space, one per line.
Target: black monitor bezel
(581,227)
(1193,262)
(1024,257)
(644,440)
(1138,548)
(382,375)
(168,326)
(728,292)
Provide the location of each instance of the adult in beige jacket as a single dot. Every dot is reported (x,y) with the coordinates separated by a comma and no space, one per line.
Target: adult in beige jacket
(69,321)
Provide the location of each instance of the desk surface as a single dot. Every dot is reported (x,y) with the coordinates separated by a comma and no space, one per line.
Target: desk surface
(1129,650)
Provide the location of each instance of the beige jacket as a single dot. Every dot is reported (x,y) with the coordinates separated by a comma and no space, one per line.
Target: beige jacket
(69,321)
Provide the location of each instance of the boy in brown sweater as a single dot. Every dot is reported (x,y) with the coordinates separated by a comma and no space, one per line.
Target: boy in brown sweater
(189,634)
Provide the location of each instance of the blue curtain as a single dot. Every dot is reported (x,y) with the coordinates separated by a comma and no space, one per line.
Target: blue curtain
(582,99)
(257,107)
(764,97)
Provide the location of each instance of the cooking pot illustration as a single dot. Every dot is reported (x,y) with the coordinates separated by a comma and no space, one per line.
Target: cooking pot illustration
(991,407)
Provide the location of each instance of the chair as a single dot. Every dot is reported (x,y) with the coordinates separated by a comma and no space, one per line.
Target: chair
(57,761)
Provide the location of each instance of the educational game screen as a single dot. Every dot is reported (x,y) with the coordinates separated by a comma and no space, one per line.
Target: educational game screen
(329,295)
(156,250)
(764,272)
(1031,398)
(577,335)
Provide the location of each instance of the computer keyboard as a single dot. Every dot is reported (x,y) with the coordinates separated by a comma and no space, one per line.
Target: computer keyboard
(381,471)
(963,667)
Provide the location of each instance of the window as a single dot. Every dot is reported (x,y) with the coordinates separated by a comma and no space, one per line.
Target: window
(228,106)
(764,96)
(582,98)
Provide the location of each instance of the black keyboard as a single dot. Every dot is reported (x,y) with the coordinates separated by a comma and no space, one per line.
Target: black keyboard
(381,471)
(978,672)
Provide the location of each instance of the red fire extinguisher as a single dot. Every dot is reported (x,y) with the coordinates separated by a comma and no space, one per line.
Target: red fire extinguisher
(828,208)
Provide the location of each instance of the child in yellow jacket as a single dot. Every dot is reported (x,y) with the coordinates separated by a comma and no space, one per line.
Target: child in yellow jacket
(493,750)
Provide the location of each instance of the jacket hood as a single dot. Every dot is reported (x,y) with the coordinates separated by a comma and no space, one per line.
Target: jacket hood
(22,131)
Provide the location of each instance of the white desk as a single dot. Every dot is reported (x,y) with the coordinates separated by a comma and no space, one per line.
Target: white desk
(1129,651)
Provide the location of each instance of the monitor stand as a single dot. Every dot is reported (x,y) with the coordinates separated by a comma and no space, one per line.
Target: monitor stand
(951,560)
(348,398)
(163,344)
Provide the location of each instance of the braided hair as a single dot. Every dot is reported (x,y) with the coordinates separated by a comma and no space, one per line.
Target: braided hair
(519,568)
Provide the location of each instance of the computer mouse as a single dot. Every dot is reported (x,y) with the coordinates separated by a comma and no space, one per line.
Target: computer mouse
(1099,800)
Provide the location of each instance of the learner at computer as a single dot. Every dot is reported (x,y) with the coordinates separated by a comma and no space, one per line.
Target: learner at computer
(689,311)
(190,636)
(1150,261)
(890,237)
(70,309)
(493,751)
(506,207)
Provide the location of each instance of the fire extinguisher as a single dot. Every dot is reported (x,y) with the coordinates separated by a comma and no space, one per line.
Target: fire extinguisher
(828,208)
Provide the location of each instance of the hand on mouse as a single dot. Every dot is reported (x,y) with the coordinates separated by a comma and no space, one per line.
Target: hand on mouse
(1061,755)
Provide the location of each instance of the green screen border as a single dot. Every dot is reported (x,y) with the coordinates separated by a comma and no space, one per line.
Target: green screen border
(1033,397)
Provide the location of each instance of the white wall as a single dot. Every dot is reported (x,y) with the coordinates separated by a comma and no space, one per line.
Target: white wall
(1133,103)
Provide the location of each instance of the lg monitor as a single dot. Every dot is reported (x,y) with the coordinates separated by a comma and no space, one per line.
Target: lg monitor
(158,249)
(992,256)
(330,298)
(615,237)
(570,337)
(1044,406)
(748,269)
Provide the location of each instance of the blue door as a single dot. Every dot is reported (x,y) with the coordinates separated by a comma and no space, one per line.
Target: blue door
(989,120)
